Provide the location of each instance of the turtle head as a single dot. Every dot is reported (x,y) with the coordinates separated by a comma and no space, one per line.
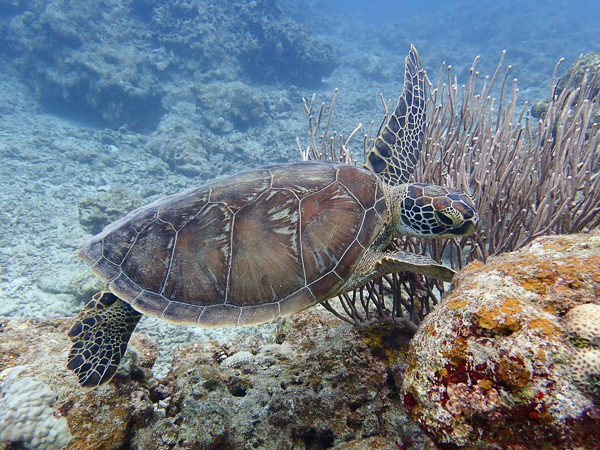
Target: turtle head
(425,210)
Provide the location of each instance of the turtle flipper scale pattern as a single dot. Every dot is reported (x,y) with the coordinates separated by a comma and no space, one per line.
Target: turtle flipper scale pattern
(100,335)
(398,145)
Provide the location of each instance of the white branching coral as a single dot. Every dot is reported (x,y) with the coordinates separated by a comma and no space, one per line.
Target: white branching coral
(26,413)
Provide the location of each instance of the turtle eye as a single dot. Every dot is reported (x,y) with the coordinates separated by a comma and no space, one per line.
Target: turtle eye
(444,219)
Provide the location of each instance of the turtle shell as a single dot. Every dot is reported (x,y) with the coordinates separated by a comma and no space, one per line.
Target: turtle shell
(245,249)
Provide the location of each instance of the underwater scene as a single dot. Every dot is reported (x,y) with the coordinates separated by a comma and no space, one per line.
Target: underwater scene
(309,224)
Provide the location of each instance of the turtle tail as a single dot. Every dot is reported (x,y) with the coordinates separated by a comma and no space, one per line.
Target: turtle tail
(100,334)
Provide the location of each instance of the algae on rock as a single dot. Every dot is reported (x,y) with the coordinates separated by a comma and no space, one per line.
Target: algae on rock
(493,363)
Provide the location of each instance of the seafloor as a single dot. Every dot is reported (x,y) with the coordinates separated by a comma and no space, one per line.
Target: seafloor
(108,105)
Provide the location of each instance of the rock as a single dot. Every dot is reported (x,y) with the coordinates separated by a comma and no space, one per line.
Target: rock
(37,350)
(538,109)
(492,364)
(585,66)
(103,208)
(321,387)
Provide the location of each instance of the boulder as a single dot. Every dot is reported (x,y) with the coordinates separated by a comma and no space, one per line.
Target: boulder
(499,364)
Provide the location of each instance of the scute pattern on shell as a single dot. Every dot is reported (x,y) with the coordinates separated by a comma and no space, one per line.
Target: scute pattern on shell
(246,249)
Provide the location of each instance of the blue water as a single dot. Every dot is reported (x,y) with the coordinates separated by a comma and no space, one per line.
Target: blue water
(534,33)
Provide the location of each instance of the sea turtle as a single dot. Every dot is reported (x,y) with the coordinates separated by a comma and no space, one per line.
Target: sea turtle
(264,244)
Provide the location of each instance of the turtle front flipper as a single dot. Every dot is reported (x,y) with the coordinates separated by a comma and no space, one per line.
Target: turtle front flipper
(401,261)
(398,145)
(100,334)
(375,264)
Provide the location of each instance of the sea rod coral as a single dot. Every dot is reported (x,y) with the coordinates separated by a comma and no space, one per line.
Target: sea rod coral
(528,179)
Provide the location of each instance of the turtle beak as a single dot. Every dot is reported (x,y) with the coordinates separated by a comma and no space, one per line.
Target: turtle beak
(470,217)
(470,225)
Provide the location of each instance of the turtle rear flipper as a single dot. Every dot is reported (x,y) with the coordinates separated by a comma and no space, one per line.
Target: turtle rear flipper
(100,334)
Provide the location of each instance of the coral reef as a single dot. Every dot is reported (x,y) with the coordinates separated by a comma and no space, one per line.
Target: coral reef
(115,63)
(321,386)
(582,324)
(101,419)
(492,364)
(585,370)
(26,413)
